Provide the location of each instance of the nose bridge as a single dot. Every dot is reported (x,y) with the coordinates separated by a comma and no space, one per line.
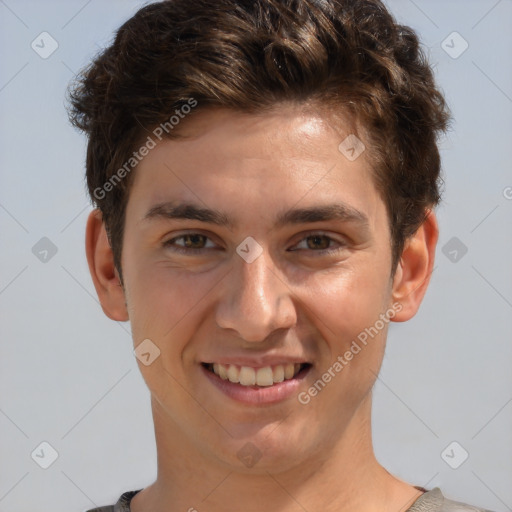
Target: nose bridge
(255,301)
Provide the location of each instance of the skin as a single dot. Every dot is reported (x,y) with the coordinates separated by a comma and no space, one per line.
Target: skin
(292,300)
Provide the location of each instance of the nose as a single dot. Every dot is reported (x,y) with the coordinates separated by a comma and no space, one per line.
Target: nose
(255,301)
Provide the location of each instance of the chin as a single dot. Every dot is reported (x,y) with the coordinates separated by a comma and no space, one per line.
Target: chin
(254,449)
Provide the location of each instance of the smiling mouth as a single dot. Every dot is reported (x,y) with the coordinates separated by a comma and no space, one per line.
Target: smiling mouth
(260,377)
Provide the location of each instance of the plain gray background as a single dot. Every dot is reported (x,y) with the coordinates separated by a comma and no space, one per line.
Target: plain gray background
(68,374)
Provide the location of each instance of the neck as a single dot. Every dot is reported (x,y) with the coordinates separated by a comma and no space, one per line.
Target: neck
(346,476)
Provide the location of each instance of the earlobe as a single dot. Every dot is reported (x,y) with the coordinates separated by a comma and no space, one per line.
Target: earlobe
(413,273)
(103,272)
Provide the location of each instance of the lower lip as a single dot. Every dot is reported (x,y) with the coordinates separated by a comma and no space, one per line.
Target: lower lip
(258,395)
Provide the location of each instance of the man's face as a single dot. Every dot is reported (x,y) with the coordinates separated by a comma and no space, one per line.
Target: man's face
(257,293)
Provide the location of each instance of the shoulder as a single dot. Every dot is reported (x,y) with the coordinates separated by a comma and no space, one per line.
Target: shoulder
(122,505)
(435,501)
(457,506)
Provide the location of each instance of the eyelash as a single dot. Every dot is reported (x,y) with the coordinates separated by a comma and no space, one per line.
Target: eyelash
(187,250)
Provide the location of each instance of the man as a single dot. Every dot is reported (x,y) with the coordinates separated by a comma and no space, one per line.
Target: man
(265,174)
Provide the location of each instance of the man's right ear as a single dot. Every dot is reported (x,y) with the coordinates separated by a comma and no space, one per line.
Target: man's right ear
(103,272)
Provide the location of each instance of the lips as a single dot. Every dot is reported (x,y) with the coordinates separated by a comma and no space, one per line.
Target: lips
(265,376)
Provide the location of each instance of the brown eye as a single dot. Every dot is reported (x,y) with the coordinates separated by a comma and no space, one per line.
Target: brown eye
(193,241)
(188,243)
(318,242)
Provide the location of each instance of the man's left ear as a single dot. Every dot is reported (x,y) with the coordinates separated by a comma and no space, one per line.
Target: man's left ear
(414,269)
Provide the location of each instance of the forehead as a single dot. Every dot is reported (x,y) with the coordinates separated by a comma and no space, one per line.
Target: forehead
(287,155)
(287,131)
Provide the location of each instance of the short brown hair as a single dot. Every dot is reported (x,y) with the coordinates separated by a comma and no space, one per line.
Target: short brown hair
(250,56)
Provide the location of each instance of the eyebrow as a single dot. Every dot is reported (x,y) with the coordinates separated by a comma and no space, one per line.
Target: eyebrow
(189,211)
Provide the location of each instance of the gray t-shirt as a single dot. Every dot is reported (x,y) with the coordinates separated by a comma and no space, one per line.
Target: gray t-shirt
(430,501)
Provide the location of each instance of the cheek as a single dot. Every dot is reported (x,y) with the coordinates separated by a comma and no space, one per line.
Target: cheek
(165,308)
(163,302)
(346,308)
(347,301)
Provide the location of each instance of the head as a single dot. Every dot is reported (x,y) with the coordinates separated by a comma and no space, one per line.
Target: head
(244,108)
(348,58)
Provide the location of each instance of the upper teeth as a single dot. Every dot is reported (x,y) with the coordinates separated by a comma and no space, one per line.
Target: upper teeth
(247,376)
